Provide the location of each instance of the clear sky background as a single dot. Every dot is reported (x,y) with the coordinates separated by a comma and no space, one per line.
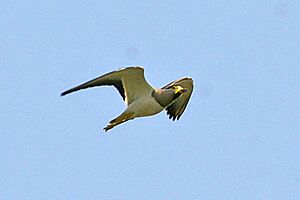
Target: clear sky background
(239,137)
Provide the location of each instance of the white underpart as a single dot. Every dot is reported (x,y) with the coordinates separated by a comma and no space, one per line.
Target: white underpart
(144,106)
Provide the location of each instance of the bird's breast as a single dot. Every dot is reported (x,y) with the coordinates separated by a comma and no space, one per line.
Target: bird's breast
(145,107)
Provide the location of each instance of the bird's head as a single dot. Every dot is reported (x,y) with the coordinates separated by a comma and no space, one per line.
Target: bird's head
(177,91)
(167,96)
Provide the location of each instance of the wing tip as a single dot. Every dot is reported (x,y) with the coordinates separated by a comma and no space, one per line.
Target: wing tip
(65,93)
(173,117)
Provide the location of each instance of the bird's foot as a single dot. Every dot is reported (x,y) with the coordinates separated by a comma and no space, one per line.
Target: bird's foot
(108,127)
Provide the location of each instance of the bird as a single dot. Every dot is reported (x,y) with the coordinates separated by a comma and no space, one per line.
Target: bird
(140,97)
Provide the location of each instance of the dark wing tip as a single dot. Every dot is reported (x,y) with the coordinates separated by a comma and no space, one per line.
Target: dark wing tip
(67,92)
(174,117)
(172,114)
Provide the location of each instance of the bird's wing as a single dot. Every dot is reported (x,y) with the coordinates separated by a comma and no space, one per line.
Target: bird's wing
(176,109)
(129,81)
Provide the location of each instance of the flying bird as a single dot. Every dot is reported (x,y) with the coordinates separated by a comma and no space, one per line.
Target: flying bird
(140,97)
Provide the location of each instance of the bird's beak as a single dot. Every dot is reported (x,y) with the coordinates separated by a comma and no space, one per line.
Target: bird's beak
(179,89)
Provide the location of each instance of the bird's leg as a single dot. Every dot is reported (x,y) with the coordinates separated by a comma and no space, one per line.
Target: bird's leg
(119,120)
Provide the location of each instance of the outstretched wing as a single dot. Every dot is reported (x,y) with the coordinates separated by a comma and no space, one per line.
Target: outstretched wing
(176,109)
(130,82)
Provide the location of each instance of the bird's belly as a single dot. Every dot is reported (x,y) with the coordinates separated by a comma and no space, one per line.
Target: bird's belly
(145,107)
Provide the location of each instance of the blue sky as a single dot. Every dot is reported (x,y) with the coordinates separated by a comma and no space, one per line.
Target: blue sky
(238,139)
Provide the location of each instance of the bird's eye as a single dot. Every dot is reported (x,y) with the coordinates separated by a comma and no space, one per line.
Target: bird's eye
(174,87)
